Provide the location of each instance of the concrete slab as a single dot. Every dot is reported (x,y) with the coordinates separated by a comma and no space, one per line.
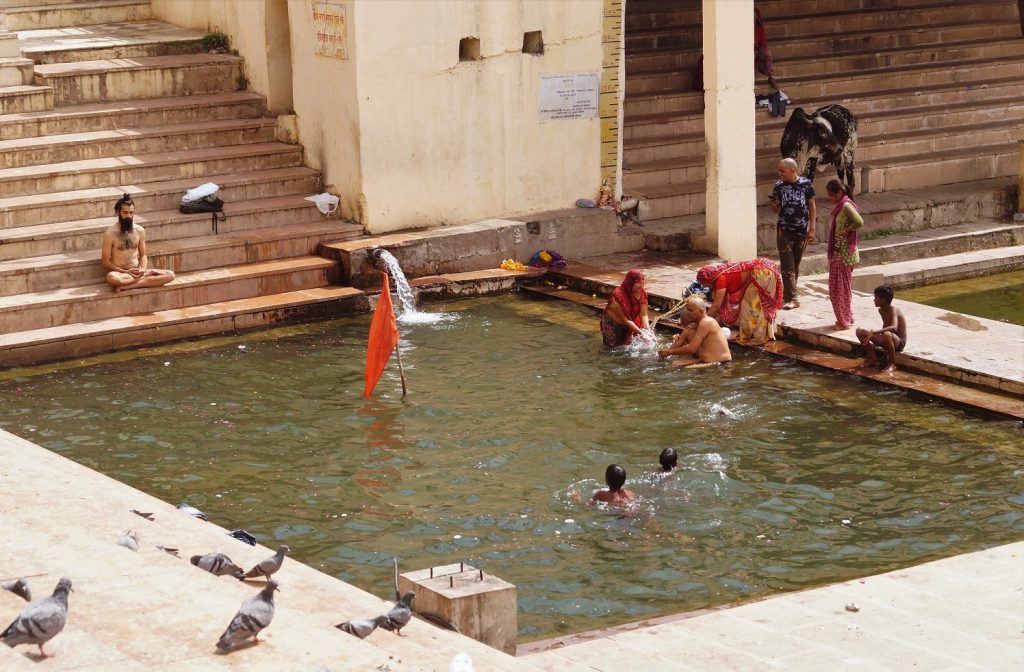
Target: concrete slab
(151,610)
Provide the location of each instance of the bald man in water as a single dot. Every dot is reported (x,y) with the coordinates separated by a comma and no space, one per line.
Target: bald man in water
(702,344)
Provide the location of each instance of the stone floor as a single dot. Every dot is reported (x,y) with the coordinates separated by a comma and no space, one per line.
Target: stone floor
(962,613)
(975,349)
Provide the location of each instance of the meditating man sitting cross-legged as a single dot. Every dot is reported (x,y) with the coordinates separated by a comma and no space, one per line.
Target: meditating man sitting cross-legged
(124,252)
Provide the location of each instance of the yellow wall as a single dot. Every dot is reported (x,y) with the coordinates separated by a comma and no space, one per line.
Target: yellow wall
(406,134)
(445,141)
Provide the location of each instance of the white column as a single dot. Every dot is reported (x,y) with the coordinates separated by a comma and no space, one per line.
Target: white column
(729,129)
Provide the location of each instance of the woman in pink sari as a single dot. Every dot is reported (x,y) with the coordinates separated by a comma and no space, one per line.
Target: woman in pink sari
(746,294)
(625,315)
(842,251)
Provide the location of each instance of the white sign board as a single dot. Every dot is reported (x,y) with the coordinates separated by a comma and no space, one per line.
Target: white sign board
(571,96)
(329,37)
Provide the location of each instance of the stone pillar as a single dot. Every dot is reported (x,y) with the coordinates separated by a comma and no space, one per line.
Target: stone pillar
(481,606)
(729,127)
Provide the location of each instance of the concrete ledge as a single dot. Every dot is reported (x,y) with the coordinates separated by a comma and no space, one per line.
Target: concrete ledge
(152,611)
(574,233)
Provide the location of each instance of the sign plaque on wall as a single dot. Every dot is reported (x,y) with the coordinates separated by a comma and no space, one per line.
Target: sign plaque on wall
(329,29)
(569,96)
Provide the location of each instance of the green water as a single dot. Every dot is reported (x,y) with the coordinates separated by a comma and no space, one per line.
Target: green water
(514,403)
(996,297)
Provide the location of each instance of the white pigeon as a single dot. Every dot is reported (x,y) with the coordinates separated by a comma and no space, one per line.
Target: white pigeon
(461,663)
(19,588)
(361,627)
(253,616)
(218,564)
(192,511)
(269,566)
(41,621)
(129,540)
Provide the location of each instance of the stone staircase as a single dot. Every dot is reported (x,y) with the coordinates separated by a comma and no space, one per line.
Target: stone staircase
(106,100)
(936,86)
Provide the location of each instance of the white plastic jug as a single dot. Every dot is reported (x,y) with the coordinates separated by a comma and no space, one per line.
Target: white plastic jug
(325,203)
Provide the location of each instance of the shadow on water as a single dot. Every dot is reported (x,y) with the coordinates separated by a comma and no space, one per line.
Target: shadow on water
(788,477)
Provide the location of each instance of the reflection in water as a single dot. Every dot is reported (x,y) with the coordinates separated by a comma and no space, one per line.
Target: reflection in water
(809,477)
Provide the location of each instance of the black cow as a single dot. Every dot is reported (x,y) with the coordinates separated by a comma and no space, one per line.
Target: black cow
(829,135)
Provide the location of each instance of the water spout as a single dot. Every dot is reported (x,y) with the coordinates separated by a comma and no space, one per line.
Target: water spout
(406,299)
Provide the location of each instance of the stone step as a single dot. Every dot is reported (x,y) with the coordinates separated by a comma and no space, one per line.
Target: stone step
(945,101)
(966,74)
(872,128)
(948,267)
(10,47)
(133,114)
(146,77)
(53,308)
(816,66)
(117,333)
(71,236)
(945,167)
(681,28)
(25,98)
(95,145)
(142,168)
(71,269)
(829,44)
(81,13)
(18,211)
(15,71)
(8,4)
(109,41)
(972,236)
(875,151)
(885,214)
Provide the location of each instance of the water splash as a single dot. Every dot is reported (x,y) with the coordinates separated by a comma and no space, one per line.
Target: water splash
(406,299)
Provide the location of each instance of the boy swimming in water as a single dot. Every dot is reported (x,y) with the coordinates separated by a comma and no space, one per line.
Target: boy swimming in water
(615,495)
(668,460)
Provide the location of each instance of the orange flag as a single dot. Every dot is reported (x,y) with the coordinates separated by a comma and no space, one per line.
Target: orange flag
(383,338)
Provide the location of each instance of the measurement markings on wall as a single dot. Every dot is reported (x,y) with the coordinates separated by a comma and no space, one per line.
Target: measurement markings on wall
(608,106)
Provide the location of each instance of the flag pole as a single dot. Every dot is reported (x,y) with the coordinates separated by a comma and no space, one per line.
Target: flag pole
(398,353)
(401,371)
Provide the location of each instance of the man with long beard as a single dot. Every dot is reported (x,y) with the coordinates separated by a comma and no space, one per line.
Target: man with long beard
(124,252)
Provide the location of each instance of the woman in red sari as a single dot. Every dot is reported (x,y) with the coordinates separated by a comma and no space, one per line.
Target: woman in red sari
(747,294)
(625,315)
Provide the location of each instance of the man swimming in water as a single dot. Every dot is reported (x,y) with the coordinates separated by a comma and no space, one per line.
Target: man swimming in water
(124,252)
(615,495)
(703,344)
(668,460)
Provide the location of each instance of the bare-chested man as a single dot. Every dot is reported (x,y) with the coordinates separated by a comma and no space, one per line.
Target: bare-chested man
(703,343)
(124,252)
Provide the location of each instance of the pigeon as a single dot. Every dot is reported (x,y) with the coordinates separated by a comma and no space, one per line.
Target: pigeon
(461,663)
(400,615)
(218,564)
(192,511)
(361,627)
(19,588)
(243,536)
(254,615)
(129,540)
(41,621)
(270,565)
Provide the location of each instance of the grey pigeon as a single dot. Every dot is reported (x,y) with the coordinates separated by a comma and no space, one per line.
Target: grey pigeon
(400,614)
(254,615)
(19,588)
(192,511)
(269,566)
(41,621)
(129,540)
(361,627)
(218,564)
